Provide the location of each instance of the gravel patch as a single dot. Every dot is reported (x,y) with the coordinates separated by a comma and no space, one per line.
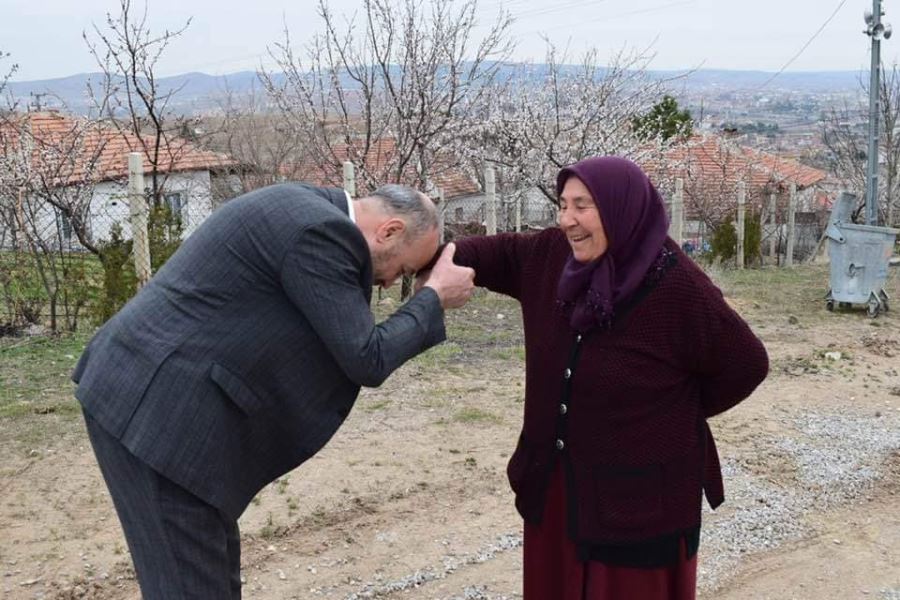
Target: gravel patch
(450,564)
(838,460)
(831,460)
(480,593)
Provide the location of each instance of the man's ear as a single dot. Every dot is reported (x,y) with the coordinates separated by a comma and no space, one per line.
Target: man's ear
(391,230)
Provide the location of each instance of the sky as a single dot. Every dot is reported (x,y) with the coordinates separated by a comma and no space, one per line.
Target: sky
(45,37)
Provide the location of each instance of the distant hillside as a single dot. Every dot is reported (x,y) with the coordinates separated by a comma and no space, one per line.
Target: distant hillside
(196,92)
(199,92)
(801,81)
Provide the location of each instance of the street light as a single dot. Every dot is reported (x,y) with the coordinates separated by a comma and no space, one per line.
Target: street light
(876,30)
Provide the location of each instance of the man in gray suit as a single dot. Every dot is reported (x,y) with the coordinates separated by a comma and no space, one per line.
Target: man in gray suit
(242,357)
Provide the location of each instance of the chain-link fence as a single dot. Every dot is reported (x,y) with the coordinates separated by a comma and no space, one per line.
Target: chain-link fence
(69,258)
(77,254)
(475,214)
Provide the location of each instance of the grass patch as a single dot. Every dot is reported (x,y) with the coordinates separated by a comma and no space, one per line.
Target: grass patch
(37,402)
(36,371)
(488,320)
(799,291)
(25,408)
(516,353)
(471,414)
(379,405)
(476,325)
(439,355)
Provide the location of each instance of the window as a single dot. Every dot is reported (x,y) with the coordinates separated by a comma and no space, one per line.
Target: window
(177,205)
(458,213)
(64,227)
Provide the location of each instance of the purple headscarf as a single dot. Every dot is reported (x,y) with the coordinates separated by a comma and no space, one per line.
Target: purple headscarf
(636,225)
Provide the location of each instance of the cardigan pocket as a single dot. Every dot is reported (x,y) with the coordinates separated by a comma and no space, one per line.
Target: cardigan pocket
(518,466)
(629,498)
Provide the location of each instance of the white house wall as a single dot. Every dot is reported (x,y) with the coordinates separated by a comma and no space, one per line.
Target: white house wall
(110,203)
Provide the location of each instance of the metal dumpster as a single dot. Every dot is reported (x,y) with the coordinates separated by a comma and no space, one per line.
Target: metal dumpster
(859,256)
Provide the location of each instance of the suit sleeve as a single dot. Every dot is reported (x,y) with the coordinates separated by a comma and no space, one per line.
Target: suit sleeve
(322,275)
(729,360)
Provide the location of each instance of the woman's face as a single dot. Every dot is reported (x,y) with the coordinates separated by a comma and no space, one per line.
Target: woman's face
(580,220)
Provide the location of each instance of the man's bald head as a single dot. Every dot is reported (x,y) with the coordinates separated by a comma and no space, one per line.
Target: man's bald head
(414,207)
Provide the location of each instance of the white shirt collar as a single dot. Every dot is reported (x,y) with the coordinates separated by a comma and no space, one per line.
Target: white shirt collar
(350,212)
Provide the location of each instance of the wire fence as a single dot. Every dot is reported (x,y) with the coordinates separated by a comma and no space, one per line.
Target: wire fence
(56,265)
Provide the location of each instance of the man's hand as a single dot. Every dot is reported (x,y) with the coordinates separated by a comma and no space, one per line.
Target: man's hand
(454,284)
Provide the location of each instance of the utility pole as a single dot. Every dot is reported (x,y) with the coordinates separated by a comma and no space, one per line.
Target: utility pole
(877,31)
(37,99)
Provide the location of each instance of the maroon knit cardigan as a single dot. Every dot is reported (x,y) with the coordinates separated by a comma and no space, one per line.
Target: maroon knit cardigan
(633,434)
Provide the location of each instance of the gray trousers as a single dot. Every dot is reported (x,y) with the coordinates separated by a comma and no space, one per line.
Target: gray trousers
(182,547)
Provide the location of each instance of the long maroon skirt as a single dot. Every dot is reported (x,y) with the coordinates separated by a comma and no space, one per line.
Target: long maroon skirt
(553,571)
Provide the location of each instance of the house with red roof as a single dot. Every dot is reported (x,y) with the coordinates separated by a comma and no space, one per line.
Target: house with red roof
(47,151)
(711,166)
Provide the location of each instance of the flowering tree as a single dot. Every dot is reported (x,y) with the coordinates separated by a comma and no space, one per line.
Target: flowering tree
(391,91)
(544,117)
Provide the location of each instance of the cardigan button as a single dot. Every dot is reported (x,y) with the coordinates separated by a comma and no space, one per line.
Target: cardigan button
(567,373)
(563,409)
(560,444)
(578,339)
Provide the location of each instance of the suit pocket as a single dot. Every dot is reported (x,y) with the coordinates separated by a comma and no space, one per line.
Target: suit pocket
(237,391)
(629,497)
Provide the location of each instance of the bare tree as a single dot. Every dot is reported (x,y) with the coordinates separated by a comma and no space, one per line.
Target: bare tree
(265,148)
(46,185)
(390,91)
(128,53)
(845,139)
(5,74)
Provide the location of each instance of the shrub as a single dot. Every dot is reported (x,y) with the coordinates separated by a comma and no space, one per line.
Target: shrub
(164,231)
(724,241)
(723,244)
(119,279)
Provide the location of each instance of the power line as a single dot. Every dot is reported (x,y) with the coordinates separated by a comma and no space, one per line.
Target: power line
(503,5)
(537,12)
(806,45)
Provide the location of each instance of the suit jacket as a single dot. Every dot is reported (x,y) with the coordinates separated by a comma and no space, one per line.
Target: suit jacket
(246,351)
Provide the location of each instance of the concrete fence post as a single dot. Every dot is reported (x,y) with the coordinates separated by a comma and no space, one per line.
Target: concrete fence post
(490,185)
(349,179)
(676,226)
(791,232)
(773,226)
(442,209)
(518,202)
(741,218)
(137,202)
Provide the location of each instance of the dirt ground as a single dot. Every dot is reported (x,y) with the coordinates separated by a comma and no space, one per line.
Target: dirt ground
(410,498)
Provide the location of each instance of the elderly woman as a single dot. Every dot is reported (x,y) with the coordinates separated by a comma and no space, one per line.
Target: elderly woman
(630,348)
